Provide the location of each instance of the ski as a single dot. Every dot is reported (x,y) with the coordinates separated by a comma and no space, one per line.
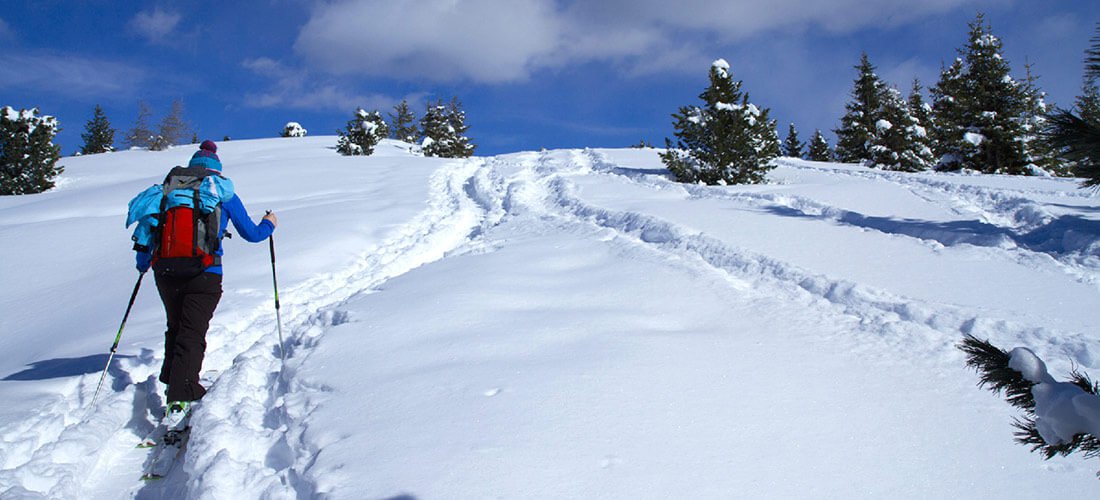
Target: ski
(166,454)
(168,445)
(153,437)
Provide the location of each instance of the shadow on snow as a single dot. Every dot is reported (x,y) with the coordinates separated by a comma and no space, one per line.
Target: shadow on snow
(1064,235)
(66,367)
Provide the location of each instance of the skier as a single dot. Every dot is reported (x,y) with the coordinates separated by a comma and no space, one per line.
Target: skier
(189,301)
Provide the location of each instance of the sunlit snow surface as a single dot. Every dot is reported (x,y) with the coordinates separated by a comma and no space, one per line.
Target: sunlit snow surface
(559,324)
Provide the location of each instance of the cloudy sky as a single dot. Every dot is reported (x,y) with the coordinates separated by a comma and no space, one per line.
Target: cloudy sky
(531,73)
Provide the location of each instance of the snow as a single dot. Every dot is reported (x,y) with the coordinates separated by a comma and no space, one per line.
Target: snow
(555,324)
(722,67)
(883,125)
(294,129)
(1062,409)
(973,138)
(986,40)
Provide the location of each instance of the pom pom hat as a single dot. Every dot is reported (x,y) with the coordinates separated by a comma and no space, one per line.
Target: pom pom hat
(207,156)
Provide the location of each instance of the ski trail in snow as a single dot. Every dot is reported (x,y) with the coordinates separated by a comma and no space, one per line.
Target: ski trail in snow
(242,428)
(541,184)
(251,423)
(1009,221)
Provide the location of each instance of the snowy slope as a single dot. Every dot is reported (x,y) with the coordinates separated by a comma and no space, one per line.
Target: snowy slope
(563,324)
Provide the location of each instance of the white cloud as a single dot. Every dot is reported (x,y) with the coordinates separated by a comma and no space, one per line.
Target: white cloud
(298,89)
(156,26)
(507,40)
(437,39)
(68,75)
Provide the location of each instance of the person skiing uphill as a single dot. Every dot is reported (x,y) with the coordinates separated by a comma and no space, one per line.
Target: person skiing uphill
(191,292)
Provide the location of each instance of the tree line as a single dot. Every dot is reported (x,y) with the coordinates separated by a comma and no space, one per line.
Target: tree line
(441,132)
(979,118)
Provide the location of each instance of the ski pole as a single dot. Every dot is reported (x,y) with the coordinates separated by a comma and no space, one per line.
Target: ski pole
(118,336)
(275,283)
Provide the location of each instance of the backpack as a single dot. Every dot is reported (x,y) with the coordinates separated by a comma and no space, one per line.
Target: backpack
(179,220)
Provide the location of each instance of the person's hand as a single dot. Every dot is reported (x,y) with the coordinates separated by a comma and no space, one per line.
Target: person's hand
(143,261)
(271,217)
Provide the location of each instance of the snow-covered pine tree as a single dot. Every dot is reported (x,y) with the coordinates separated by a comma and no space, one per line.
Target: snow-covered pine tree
(857,126)
(28,156)
(947,118)
(896,143)
(172,129)
(727,141)
(443,127)
(921,111)
(462,147)
(819,148)
(978,107)
(140,135)
(792,147)
(1041,156)
(362,134)
(436,129)
(404,123)
(293,129)
(98,135)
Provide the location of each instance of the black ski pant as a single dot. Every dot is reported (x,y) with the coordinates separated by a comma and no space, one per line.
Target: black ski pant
(189,305)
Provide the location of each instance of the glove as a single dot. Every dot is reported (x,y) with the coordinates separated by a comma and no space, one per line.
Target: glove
(143,261)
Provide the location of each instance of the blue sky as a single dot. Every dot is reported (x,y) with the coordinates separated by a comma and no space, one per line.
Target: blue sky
(531,73)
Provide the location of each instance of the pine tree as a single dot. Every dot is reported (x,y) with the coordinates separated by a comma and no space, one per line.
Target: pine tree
(1076,137)
(172,129)
(857,126)
(897,141)
(404,123)
(978,108)
(99,137)
(444,127)
(456,117)
(28,156)
(1088,103)
(727,141)
(792,147)
(819,148)
(922,113)
(141,136)
(947,116)
(363,132)
(1039,153)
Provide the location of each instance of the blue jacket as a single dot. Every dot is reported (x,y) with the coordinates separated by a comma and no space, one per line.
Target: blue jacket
(232,210)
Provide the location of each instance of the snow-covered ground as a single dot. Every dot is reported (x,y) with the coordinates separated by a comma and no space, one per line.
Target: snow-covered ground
(558,324)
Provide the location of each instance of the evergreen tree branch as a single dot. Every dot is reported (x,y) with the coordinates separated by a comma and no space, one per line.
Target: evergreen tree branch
(1079,142)
(991,363)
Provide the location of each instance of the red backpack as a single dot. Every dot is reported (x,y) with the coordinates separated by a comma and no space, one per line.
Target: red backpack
(188,233)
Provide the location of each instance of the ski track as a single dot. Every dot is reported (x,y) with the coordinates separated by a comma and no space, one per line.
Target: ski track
(253,426)
(891,317)
(244,417)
